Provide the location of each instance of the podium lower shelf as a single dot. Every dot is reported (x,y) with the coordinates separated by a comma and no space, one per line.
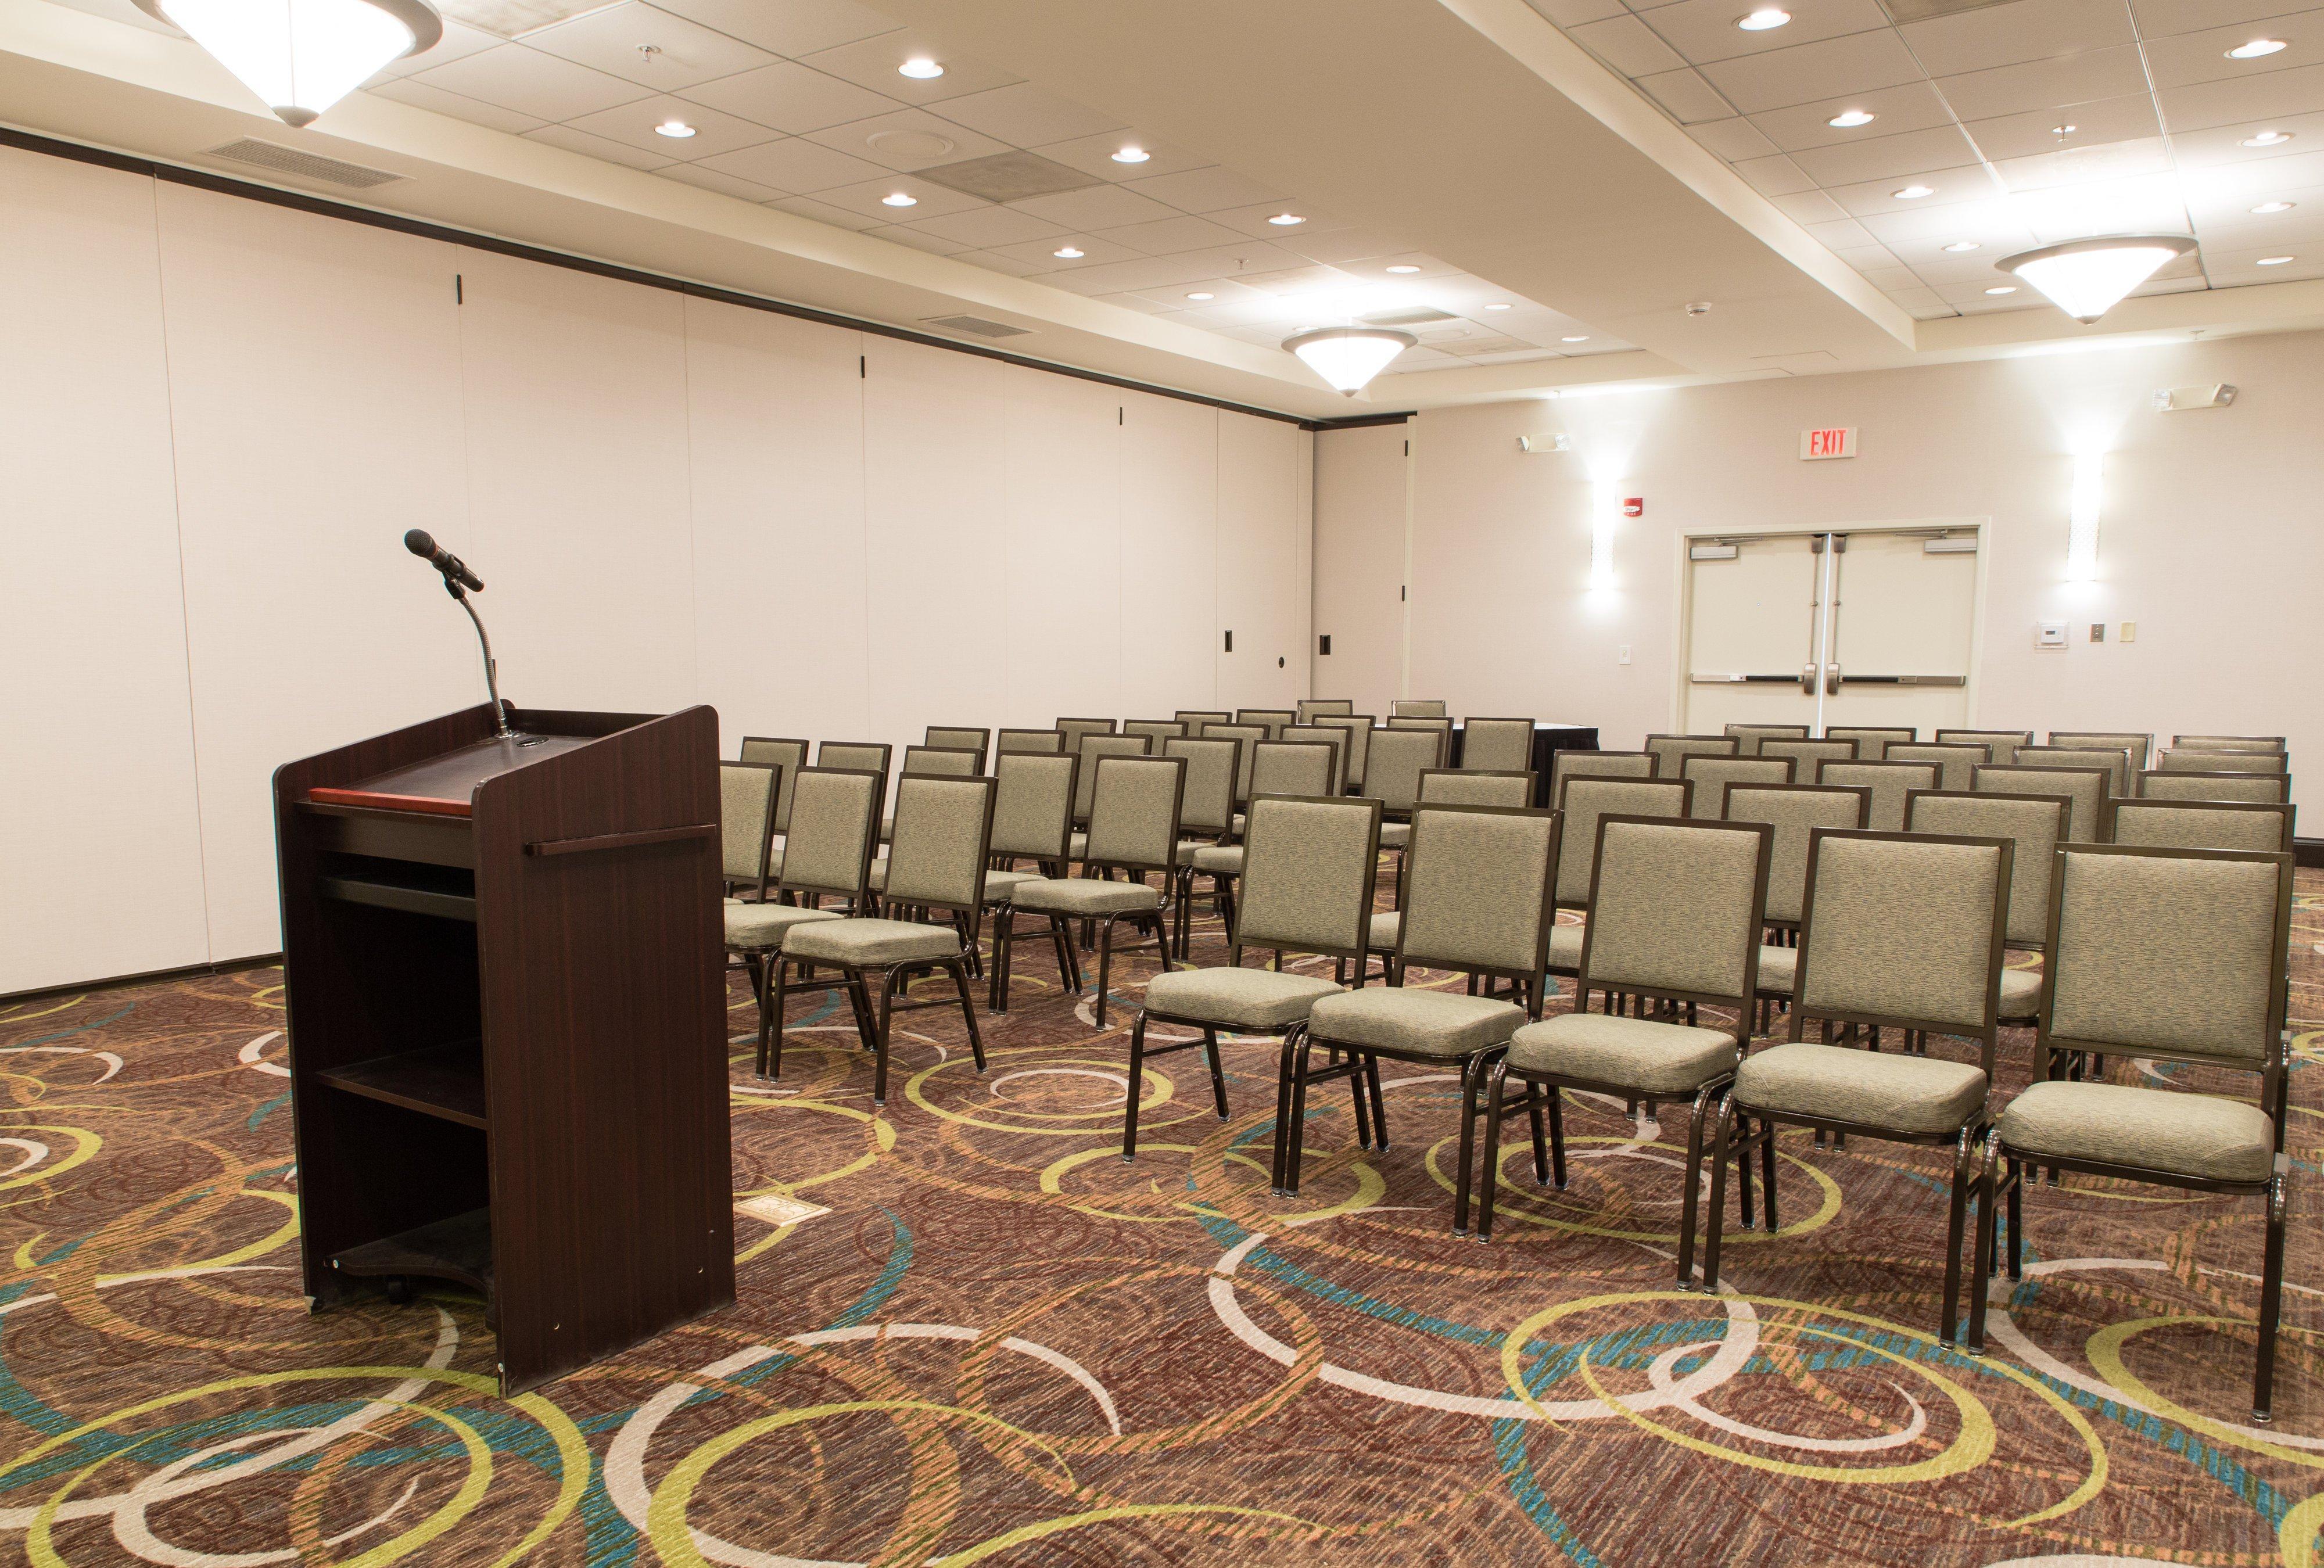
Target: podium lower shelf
(459,1248)
(446,1081)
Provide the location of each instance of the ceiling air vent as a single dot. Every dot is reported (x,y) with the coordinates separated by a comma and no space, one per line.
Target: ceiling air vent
(1413,316)
(300,164)
(977,324)
(1007,177)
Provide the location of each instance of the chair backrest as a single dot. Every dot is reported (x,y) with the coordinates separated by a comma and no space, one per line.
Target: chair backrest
(1675,908)
(1710,776)
(2139,746)
(1293,768)
(789,755)
(1308,862)
(1808,754)
(961,738)
(1271,720)
(1094,746)
(1905,929)
(1196,718)
(2244,824)
(1749,736)
(1133,820)
(943,836)
(1671,751)
(942,761)
(2119,915)
(1496,745)
(2089,821)
(1310,707)
(1795,811)
(1336,739)
(1888,784)
(1460,787)
(1956,760)
(1416,707)
(1358,728)
(1212,764)
(2034,825)
(1480,889)
(1437,722)
(1250,735)
(2265,787)
(1564,765)
(1397,759)
(1033,804)
(1584,799)
(1034,741)
(835,822)
(747,792)
(2178,760)
(1075,729)
(1160,729)
(862,756)
(2114,760)
(2227,742)
(1872,741)
(2001,744)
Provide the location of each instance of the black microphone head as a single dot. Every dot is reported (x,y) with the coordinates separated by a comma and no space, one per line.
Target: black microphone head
(420,542)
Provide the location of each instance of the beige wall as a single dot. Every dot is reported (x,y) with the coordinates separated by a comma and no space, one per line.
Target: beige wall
(2208,534)
(222,416)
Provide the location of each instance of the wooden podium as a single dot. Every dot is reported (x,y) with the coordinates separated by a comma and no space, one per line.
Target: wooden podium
(507,1018)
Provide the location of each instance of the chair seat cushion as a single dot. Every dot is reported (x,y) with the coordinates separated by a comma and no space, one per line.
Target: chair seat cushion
(999,886)
(1415,1023)
(1218,860)
(1188,848)
(1253,998)
(758,927)
(1640,1054)
(1565,949)
(1916,1094)
(872,941)
(1394,835)
(2188,1135)
(2021,992)
(1083,896)
(1384,928)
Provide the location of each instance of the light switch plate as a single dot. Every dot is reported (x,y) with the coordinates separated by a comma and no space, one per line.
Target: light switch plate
(2097,632)
(1622,654)
(2129,631)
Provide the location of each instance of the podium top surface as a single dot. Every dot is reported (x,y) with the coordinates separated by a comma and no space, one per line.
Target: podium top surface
(445,785)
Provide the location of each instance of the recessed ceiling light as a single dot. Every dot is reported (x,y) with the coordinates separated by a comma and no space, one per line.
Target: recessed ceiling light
(1958,246)
(1583,337)
(2276,261)
(1286,220)
(920,69)
(898,198)
(2268,139)
(1404,267)
(2256,48)
(2003,289)
(1132,155)
(1848,119)
(677,130)
(1497,307)
(1764,18)
(1198,294)
(2266,208)
(1914,192)
(1067,252)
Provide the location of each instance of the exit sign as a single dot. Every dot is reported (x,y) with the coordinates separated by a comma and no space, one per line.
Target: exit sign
(1839,443)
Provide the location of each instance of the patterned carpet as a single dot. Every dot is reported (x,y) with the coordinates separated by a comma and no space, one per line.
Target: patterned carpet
(976,1336)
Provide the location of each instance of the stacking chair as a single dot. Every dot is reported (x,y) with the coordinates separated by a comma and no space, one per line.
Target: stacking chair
(1956,761)
(1310,707)
(1749,736)
(1337,738)
(1671,751)
(1872,741)
(1581,801)
(2113,909)
(1031,740)
(2227,742)
(960,738)
(2205,825)
(1205,815)
(1477,900)
(1674,914)
(1091,748)
(1888,784)
(1564,765)
(2262,787)
(1358,728)
(1161,730)
(1301,768)
(2178,760)
(1133,829)
(835,818)
(747,793)
(1903,931)
(2139,745)
(1032,818)
(790,756)
(1196,718)
(1308,885)
(1710,777)
(936,864)
(1497,745)
(1250,735)
(2035,826)
(1075,729)
(1467,787)
(1416,707)
(2091,819)
(1392,771)
(859,756)
(1795,811)
(1271,720)
(1808,754)
(2114,760)
(2001,744)
(943,761)
(1437,724)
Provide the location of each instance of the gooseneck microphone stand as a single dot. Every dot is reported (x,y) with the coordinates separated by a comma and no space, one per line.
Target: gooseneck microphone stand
(458,580)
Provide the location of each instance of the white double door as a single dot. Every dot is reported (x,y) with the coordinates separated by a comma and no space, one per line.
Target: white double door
(1863,626)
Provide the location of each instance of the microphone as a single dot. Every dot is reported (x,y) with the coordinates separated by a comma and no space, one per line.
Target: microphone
(421,543)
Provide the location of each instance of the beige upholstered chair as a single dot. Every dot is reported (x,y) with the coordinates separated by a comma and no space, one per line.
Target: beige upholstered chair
(2118,915)
(1160,730)
(1392,770)
(1359,729)
(1294,767)
(961,738)
(1872,741)
(1250,735)
(1337,738)
(2092,821)
(1206,815)
(1564,765)
(935,866)
(2034,825)
(1030,741)
(1956,761)
(1465,787)
(790,756)
(1749,736)
(1710,777)
(1476,901)
(2139,746)
(2227,742)
(1497,745)
(1671,751)
(942,762)
(1032,820)
(2114,760)
(1312,707)
(1796,811)
(1196,718)
(1902,931)
(1888,784)
(2178,760)
(1808,754)
(1309,886)
(1075,729)
(861,756)
(2001,744)
(2262,787)
(747,793)
(1583,799)
(1091,748)
(1674,915)
(2205,825)
(1443,728)
(1416,707)
(1271,720)
(835,819)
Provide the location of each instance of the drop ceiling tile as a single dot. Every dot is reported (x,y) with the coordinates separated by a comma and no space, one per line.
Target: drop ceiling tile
(1913,106)
(1100,207)
(1093,155)
(935,245)
(1575,12)
(789,97)
(1970,183)
(1935,267)
(1167,235)
(1869,258)
(1138,302)
(1242,259)
(703,179)
(616,40)
(2162,18)
(2302,229)
(786,27)
(2193,285)
(2142,204)
(2081,165)
(1733,140)
(2029,135)
(1293,280)
(2012,35)
(1911,152)
(632,125)
(994,261)
(2041,84)
(2215,145)
(1039,254)
(1687,96)
(1838,234)
(2231,268)
(1810,72)
(1777,176)
(1704,30)
(794,165)
(2240,185)
(1889,280)
(436,101)
(458,42)
(2202,57)
(597,147)
(1627,44)
(532,83)
(1972,299)
(1257,221)
(869,198)
(872,62)
(1810,206)
(1145,274)
(2267,98)
(1203,191)
(1911,228)
(907,139)
(1433,276)
(1339,246)
(1025,115)
(807,206)
(986,227)
(1923,304)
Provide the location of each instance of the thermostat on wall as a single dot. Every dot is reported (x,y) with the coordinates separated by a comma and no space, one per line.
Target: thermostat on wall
(2050,634)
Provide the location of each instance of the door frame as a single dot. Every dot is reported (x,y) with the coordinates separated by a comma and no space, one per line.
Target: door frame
(1683,631)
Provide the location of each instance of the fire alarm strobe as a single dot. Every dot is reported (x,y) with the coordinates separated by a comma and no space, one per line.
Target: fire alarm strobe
(1634,506)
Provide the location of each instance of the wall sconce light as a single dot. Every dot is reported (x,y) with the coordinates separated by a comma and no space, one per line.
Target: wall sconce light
(2082,517)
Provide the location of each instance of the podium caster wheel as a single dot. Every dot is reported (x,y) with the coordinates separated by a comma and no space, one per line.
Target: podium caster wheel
(398,1290)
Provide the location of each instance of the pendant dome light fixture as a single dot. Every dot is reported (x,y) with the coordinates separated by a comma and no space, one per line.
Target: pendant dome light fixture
(299,57)
(1348,358)
(2088,278)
